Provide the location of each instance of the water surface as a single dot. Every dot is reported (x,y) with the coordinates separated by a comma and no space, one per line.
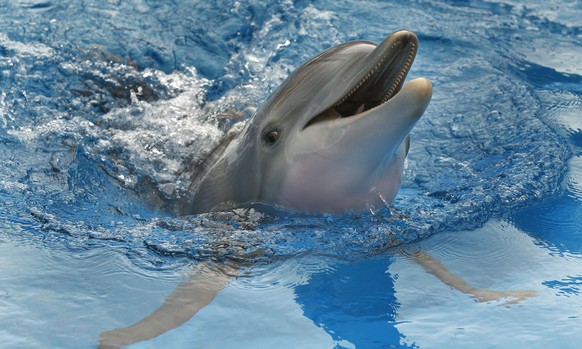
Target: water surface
(100,102)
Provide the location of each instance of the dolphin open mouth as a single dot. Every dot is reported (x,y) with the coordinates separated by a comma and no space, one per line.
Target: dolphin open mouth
(386,68)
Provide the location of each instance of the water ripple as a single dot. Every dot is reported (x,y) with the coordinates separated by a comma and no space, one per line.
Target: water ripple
(109,120)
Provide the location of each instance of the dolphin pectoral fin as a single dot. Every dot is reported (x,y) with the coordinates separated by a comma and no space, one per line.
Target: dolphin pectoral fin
(214,189)
(406,145)
(191,295)
(436,268)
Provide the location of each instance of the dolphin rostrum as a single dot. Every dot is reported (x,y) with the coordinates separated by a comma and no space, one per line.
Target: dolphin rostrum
(331,138)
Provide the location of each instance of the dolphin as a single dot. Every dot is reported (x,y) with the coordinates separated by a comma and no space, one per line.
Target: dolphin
(332,137)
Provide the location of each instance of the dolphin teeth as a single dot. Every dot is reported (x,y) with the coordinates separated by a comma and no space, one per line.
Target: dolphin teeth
(405,68)
(352,91)
(395,83)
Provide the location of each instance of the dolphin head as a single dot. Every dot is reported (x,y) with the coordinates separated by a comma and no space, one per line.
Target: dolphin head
(332,136)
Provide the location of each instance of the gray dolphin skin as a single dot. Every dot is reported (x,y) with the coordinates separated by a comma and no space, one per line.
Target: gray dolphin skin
(331,138)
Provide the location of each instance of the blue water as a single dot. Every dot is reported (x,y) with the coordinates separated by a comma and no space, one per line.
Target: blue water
(101,102)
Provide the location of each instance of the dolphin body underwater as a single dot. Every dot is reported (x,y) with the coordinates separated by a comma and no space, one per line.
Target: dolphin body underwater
(333,137)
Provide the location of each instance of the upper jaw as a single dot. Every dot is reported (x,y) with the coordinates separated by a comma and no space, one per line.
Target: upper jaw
(381,77)
(396,55)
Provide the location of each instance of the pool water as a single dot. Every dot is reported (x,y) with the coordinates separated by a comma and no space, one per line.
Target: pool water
(101,102)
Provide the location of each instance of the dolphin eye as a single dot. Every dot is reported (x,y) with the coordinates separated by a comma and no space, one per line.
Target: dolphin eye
(271,137)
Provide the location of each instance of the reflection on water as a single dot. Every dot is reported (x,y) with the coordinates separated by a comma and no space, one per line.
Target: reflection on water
(431,315)
(56,295)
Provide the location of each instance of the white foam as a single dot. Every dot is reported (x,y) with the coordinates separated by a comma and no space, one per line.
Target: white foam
(574,177)
(160,139)
(36,49)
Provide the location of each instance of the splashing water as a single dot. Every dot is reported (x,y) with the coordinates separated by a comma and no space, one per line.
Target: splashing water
(89,125)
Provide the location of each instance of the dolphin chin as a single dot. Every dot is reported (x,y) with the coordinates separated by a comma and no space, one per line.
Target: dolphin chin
(353,163)
(331,138)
